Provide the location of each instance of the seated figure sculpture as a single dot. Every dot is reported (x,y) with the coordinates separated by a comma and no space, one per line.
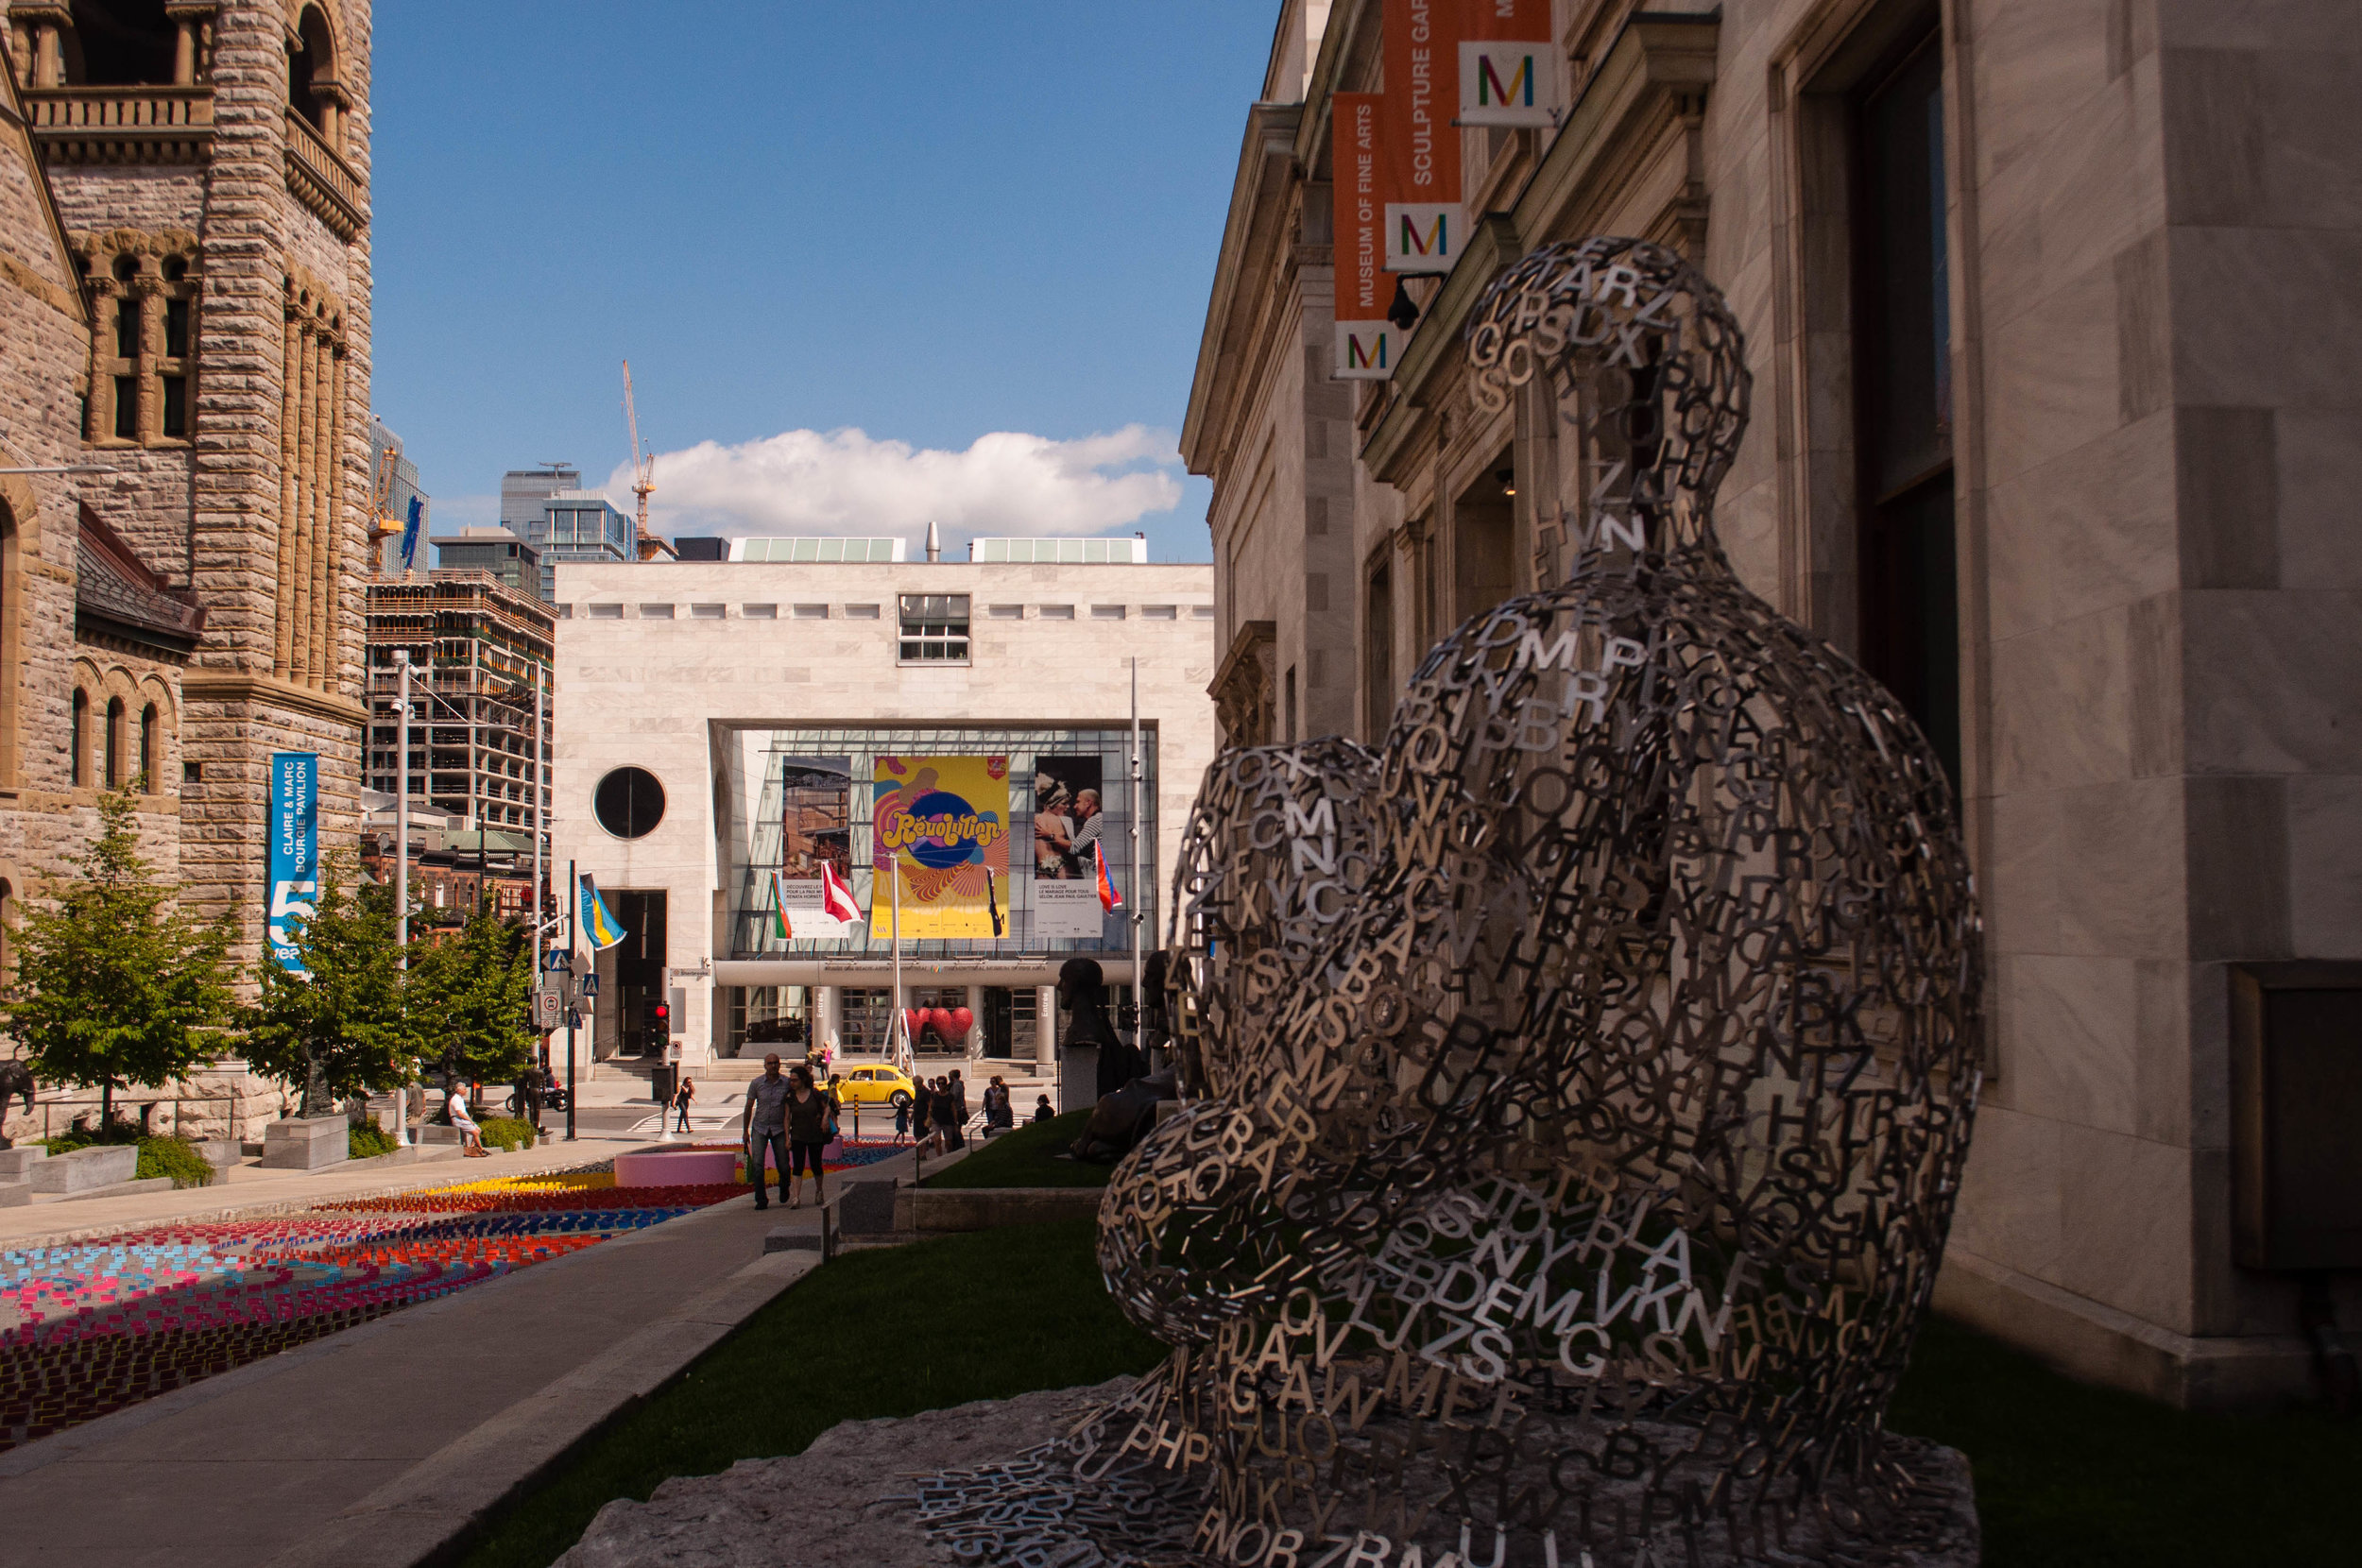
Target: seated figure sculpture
(1585,1076)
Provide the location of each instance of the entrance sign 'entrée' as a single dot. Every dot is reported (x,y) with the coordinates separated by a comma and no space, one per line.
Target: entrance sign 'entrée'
(1583,1079)
(941,823)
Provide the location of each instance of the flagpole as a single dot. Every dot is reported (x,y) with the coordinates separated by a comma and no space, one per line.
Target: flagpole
(1139,997)
(898,1030)
(574,906)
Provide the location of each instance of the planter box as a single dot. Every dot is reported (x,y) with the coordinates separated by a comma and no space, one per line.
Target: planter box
(17,1163)
(307,1143)
(102,1165)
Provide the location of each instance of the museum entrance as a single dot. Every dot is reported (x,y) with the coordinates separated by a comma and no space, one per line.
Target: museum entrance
(639,969)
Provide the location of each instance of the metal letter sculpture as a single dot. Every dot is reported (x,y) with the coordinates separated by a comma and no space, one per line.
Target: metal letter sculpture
(1587,1075)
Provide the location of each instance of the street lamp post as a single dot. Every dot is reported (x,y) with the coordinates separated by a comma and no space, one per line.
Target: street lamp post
(401,868)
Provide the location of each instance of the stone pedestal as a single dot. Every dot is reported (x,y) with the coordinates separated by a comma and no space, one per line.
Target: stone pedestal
(1078,1078)
(16,1165)
(221,1153)
(306,1143)
(84,1168)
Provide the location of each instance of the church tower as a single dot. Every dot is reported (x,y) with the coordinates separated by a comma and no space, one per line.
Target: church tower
(210,163)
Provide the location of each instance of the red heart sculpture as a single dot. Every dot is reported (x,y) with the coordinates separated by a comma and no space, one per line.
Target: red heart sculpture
(962,1021)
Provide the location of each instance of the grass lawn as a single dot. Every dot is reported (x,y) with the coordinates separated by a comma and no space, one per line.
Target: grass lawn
(2067,1476)
(2073,1476)
(1026,1158)
(885,1333)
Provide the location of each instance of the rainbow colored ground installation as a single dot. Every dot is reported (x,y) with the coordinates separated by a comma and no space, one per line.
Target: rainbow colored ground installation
(87,1327)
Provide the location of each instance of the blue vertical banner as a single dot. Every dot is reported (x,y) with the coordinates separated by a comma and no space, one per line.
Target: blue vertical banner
(295,851)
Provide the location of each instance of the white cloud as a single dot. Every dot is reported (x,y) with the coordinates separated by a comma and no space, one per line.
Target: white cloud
(844,481)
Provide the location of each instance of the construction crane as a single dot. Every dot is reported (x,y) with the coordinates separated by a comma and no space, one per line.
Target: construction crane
(384,525)
(645,545)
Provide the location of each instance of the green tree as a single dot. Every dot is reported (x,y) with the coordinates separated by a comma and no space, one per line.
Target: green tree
(472,994)
(345,1025)
(114,985)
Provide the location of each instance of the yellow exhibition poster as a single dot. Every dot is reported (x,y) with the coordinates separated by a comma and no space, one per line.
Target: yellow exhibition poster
(944,821)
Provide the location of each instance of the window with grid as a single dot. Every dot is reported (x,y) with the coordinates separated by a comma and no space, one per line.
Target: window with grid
(934,628)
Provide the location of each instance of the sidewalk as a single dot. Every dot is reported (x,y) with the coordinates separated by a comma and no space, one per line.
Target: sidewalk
(376,1445)
(379,1446)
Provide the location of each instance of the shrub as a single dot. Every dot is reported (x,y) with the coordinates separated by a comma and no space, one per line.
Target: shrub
(173,1158)
(507,1132)
(367,1139)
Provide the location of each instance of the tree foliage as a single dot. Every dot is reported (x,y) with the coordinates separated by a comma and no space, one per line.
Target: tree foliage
(471,993)
(346,1024)
(114,985)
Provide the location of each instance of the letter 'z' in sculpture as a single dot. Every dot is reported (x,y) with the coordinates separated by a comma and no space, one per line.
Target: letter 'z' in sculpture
(1584,1078)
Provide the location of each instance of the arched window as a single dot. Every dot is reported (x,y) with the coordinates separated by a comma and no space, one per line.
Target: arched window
(312,89)
(151,754)
(121,44)
(114,743)
(80,739)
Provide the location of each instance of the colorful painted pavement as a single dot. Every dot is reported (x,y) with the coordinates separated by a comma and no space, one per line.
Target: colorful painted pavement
(87,1327)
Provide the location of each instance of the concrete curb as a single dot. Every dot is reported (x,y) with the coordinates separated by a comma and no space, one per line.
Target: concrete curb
(930,1211)
(432,1511)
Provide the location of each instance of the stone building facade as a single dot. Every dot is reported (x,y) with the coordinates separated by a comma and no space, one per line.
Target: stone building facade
(208,167)
(184,289)
(2051,320)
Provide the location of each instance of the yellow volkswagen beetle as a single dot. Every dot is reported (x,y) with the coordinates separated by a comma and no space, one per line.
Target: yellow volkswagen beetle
(873,1084)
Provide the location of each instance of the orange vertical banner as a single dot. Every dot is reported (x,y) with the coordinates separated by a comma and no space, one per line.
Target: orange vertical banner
(1426,227)
(1365,339)
(1509,71)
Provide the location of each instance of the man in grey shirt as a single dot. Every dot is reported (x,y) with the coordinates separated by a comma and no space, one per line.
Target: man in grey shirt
(766,1129)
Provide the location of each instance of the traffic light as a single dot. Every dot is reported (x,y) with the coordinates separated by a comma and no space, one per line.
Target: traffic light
(655,1015)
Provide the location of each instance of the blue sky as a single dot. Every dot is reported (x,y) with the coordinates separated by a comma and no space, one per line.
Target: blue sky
(838,243)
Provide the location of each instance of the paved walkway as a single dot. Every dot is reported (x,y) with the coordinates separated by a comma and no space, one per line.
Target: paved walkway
(377,1445)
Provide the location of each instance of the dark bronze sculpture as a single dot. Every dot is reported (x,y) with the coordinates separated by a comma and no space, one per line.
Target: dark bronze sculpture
(1587,1075)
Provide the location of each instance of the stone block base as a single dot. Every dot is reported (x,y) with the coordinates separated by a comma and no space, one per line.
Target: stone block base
(307,1143)
(2097,1343)
(84,1168)
(16,1165)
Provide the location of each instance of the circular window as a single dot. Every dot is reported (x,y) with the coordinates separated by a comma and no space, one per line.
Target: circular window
(629,802)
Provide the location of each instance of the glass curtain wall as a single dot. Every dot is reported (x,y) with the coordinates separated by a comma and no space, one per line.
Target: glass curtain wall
(776,753)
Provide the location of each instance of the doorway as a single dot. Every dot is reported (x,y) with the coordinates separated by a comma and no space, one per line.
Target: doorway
(639,970)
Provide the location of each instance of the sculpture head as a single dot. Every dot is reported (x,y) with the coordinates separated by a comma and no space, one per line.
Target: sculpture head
(1590,1069)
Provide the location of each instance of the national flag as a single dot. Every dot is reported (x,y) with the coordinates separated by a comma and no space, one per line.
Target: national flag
(597,923)
(780,926)
(836,896)
(1109,899)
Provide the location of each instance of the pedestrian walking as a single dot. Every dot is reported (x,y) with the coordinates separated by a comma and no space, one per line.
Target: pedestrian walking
(901,1121)
(471,1135)
(959,1110)
(765,1134)
(947,1116)
(810,1128)
(683,1097)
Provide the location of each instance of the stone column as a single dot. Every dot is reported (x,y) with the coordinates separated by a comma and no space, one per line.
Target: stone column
(976,1028)
(307,392)
(1045,1032)
(291,380)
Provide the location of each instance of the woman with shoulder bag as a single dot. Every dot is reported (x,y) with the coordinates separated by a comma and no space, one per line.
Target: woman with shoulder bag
(810,1128)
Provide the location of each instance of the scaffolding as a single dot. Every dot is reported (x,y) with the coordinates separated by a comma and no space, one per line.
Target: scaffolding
(478,649)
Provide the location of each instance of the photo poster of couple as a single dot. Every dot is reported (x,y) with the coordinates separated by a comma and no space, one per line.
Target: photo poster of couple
(1067,820)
